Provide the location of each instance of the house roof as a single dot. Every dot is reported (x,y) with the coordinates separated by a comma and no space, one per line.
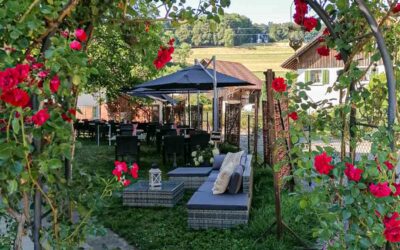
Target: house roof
(237,70)
(291,62)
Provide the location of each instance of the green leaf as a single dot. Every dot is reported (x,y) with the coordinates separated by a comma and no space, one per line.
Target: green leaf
(15,125)
(15,34)
(303,204)
(76,79)
(348,200)
(54,163)
(12,186)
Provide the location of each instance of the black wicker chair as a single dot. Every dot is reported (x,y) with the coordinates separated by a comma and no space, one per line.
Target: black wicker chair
(160,135)
(174,145)
(126,129)
(127,145)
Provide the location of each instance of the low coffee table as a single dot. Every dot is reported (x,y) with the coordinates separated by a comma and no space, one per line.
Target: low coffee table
(140,195)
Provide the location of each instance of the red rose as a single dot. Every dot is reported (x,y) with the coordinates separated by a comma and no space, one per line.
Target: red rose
(322,163)
(323,51)
(310,23)
(43,74)
(278,84)
(352,173)
(294,116)
(16,97)
(54,84)
(397,186)
(392,228)
(117,174)
(69,115)
(37,65)
(120,167)
(9,78)
(23,71)
(171,42)
(396,9)
(338,56)
(30,58)
(298,18)
(75,45)
(65,33)
(134,170)
(380,190)
(80,35)
(389,165)
(40,117)
(326,32)
(126,182)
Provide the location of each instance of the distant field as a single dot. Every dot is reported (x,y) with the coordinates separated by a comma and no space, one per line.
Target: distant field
(256,58)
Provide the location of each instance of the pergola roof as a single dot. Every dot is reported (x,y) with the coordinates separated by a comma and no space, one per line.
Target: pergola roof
(291,62)
(236,70)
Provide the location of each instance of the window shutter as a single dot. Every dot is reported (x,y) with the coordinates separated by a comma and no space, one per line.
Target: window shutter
(307,76)
(325,76)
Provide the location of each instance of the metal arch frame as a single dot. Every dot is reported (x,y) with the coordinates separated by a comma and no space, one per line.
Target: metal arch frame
(387,61)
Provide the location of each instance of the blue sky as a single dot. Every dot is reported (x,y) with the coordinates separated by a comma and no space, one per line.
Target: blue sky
(259,11)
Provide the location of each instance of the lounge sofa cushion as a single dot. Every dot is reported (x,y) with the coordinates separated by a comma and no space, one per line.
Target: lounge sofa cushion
(213,176)
(218,159)
(235,183)
(231,160)
(228,167)
(208,201)
(190,172)
(206,187)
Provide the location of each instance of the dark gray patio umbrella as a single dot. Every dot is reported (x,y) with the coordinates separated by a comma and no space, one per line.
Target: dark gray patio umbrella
(196,77)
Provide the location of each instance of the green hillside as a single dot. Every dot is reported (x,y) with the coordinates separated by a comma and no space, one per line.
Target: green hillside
(256,58)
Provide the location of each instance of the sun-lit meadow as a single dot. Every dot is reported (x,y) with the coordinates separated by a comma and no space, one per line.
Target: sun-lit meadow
(256,58)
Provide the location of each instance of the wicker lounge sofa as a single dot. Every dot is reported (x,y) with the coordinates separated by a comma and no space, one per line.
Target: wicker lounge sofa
(206,210)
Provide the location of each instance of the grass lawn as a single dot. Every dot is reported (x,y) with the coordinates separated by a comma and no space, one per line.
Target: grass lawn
(256,58)
(166,228)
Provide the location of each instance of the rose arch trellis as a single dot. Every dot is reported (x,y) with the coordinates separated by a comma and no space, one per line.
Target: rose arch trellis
(391,85)
(50,29)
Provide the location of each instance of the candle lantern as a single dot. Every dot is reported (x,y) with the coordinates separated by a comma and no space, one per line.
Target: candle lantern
(154,177)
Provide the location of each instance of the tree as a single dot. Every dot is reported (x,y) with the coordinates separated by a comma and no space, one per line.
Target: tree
(45,67)
(182,53)
(184,33)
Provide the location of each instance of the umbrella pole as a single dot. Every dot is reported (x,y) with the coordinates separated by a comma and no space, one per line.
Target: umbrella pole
(189,108)
(215,106)
(198,109)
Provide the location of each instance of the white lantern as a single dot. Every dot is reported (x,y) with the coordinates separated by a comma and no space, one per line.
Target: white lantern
(155,177)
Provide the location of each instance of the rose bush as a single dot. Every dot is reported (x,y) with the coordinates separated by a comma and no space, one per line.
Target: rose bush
(354,197)
(44,66)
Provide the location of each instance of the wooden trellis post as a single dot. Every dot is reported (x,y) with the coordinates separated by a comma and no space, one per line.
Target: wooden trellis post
(275,129)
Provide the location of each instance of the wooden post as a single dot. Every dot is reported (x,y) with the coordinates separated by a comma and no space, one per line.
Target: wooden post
(256,111)
(248,134)
(265,133)
(270,75)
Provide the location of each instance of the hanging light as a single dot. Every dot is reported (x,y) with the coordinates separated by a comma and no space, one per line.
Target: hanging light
(295,34)
(296,37)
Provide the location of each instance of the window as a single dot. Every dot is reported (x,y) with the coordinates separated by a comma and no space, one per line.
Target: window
(317,76)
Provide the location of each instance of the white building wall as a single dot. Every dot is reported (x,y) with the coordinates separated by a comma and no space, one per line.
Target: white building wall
(318,91)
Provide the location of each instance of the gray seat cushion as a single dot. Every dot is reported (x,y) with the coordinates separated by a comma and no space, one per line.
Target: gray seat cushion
(208,201)
(206,186)
(213,176)
(184,171)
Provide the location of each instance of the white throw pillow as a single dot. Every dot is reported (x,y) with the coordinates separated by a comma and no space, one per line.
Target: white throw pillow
(228,166)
